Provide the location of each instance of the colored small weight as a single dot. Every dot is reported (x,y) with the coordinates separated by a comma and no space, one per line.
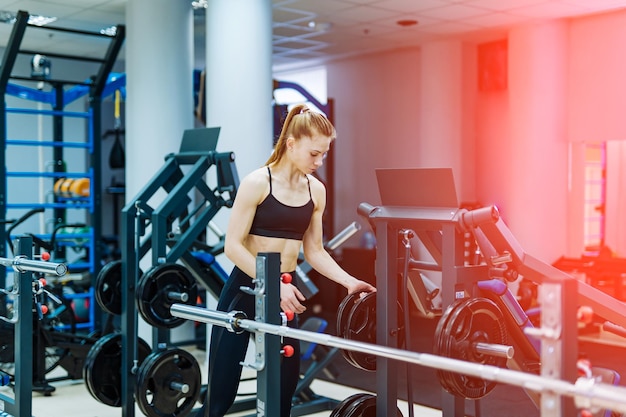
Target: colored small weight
(56,189)
(168,383)
(80,187)
(64,190)
(159,288)
(102,368)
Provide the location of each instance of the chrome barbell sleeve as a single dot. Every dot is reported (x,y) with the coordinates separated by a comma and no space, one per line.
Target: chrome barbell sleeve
(23,264)
(494,349)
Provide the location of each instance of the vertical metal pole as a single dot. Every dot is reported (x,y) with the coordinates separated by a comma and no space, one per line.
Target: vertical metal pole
(452,289)
(559,343)
(130,258)
(6,67)
(267,309)
(60,214)
(329,218)
(386,317)
(24,335)
(96,250)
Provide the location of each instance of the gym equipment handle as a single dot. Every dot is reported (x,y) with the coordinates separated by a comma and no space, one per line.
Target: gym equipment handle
(342,236)
(23,264)
(365,209)
(471,219)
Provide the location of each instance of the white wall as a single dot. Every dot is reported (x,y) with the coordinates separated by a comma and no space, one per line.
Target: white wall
(377,103)
(566,85)
(597,103)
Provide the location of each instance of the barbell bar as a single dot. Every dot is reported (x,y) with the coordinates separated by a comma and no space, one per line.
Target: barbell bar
(587,392)
(23,264)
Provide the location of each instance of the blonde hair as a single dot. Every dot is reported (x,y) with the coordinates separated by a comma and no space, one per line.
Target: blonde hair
(301,122)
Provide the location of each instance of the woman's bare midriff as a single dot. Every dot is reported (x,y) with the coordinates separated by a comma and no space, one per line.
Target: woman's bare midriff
(289,249)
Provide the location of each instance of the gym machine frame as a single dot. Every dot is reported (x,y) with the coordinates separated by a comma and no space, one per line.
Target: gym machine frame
(23,267)
(437,229)
(585,392)
(166,246)
(440,230)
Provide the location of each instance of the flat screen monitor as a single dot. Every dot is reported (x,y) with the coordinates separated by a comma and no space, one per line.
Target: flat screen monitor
(417,187)
(203,140)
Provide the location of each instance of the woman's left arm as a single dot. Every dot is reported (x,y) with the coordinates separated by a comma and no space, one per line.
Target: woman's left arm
(315,253)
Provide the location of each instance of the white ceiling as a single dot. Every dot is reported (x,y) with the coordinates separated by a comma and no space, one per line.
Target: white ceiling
(344,27)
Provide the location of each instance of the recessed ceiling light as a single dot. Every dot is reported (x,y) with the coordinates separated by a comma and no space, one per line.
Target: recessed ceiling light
(407,22)
(200,4)
(37,20)
(320,26)
(33,19)
(110,31)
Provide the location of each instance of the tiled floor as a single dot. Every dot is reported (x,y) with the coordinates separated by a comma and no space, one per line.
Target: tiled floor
(72,399)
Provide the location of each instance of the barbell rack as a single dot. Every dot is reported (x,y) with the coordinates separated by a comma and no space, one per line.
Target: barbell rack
(21,403)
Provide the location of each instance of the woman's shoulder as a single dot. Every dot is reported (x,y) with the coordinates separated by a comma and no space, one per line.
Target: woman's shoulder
(315,181)
(256,180)
(317,186)
(259,174)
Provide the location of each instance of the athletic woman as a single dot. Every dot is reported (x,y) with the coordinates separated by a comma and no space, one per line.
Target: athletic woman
(278,208)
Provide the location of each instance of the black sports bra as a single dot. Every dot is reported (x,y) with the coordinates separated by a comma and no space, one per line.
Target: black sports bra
(275,219)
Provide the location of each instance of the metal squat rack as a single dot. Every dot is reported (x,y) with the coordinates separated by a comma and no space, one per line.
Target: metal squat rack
(23,267)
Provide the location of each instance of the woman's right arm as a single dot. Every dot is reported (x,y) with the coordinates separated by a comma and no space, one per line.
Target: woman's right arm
(249,194)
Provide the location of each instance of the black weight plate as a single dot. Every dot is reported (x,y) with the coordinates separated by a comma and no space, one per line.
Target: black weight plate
(365,407)
(340,409)
(153,301)
(439,341)
(155,394)
(109,287)
(361,406)
(480,321)
(361,326)
(470,321)
(102,368)
(342,312)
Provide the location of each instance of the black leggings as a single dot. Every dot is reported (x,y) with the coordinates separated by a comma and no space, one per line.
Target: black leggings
(228,349)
